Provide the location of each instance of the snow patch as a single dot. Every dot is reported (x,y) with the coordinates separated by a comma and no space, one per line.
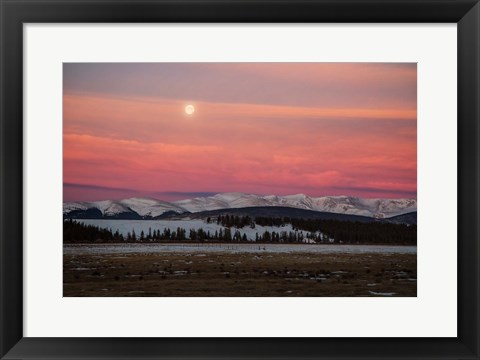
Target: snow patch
(381,293)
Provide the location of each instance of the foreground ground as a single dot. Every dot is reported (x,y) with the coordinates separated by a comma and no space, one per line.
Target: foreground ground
(239,274)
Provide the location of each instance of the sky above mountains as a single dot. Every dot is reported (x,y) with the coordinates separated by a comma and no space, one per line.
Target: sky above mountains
(262,128)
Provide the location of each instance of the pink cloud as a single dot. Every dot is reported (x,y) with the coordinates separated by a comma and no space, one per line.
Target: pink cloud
(149,145)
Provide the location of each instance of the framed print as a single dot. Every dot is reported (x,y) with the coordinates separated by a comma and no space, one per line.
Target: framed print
(236,179)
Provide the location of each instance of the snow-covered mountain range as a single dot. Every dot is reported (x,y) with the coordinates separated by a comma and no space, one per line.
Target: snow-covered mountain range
(151,208)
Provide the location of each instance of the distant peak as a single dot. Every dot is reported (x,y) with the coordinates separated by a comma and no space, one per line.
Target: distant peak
(342,204)
(230,194)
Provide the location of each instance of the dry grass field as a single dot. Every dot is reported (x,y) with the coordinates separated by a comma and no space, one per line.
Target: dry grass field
(241,274)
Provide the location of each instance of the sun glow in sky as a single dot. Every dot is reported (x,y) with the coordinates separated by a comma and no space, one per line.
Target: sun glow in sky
(262,128)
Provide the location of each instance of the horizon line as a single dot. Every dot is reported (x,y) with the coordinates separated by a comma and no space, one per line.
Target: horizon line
(199,194)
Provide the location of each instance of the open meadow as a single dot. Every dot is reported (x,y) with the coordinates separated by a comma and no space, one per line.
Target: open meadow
(239,270)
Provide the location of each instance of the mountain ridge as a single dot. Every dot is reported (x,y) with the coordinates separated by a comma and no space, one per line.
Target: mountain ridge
(148,208)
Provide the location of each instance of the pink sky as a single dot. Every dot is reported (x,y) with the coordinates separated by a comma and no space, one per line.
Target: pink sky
(269,128)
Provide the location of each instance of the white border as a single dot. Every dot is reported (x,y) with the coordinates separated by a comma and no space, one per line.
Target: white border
(432,313)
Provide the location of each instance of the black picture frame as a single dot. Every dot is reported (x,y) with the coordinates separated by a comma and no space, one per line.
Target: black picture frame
(14,13)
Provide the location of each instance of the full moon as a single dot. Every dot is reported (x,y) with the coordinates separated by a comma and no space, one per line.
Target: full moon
(189,109)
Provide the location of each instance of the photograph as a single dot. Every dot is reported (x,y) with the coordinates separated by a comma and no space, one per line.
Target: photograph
(239,179)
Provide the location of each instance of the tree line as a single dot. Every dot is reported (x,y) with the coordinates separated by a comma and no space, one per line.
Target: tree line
(234,221)
(320,230)
(304,230)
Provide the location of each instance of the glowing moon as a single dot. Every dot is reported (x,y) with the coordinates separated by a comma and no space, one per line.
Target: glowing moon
(189,109)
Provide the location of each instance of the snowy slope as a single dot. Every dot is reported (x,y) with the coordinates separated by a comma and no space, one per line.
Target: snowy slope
(111,208)
(377,208)
(151,207)
(73,206)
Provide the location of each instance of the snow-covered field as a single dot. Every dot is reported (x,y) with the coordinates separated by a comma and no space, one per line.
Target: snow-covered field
(125,226)
(199,249)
